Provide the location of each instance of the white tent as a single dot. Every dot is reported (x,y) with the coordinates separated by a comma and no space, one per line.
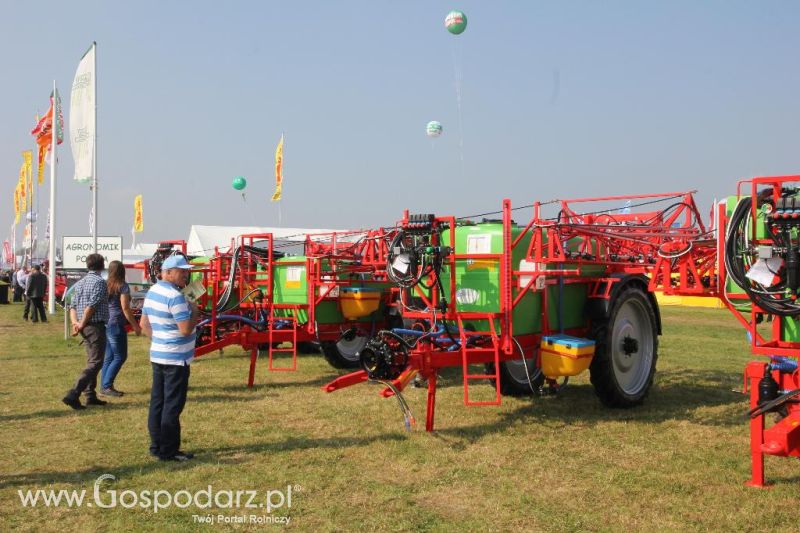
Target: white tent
(140,252)
(203,239)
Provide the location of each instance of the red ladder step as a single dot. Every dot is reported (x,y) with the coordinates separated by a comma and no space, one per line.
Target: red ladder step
(465,354)
(292,350)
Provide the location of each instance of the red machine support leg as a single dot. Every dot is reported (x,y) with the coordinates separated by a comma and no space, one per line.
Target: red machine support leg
(253,359)
(346,381)
(753,373)
(431,402)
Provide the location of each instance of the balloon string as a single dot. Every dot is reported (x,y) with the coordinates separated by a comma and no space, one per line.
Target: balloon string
(249,213)
(458,75)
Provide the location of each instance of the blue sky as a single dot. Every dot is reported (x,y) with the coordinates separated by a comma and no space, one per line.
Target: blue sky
(559,100)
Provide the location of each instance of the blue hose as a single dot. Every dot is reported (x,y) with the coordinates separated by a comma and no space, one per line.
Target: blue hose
(786,365)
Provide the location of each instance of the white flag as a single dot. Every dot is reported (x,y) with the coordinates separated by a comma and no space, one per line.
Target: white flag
(81,117)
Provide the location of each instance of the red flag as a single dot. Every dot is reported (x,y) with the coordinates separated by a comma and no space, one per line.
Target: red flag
(44,127)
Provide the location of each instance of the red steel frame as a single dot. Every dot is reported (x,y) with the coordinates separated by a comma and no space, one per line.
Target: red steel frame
(672,247)
(357,252)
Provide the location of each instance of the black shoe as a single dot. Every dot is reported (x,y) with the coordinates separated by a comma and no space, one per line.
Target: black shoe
(75,403)
(95,401)
(179,457)
(111,391)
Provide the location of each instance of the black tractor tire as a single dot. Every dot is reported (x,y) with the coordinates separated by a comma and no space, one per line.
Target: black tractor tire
(626,349)
(344,354)
(307,347)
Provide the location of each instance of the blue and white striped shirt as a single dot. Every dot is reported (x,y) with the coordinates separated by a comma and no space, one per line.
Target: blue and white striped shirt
(165,306)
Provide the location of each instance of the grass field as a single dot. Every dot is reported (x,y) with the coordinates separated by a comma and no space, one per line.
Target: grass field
(534,464)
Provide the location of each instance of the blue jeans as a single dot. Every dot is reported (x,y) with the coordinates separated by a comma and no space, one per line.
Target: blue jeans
(116,354)
(167,399)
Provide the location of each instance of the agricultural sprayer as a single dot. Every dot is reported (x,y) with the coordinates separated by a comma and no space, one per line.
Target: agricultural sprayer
(335,294)
(533,304)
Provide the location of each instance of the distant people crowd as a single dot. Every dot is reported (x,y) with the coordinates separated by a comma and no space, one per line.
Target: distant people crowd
(28,286)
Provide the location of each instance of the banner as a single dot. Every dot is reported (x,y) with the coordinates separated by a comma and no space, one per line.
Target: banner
(43,131)
(27,237)
(17,204)
(27,158)
(8,253)
(59,119)
(40,162)
(138,222)
(23,187)
(82,118)
(44,127)
(278,171)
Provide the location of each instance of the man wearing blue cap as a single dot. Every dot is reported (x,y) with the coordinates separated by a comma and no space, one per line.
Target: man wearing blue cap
(169,320)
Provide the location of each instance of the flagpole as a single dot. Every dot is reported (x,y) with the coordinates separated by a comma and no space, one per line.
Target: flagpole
(94,163)
(29,200)
(280,210)
(51,252)
(14,245)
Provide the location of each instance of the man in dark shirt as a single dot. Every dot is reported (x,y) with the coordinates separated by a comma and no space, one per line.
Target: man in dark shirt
(36,286)
(88,313)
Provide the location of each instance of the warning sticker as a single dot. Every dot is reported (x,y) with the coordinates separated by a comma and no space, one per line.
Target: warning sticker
(294,275)
(479,244)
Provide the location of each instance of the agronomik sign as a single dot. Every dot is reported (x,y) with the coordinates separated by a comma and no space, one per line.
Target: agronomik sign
(75,250)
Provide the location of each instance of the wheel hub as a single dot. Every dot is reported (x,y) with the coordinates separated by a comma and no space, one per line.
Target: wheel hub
(630,345)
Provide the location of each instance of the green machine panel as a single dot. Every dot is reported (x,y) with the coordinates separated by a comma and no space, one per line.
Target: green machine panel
(478,282)
(290,286)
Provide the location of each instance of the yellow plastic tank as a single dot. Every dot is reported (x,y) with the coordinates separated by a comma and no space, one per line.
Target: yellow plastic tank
(358,302)
(563,355)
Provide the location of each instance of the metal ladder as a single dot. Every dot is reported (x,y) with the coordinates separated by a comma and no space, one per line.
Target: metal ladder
(465,353)
(292,350)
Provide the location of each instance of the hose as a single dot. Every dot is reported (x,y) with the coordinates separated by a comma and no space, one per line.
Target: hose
(224,298)
(770,299)
(771,405)
(408,417)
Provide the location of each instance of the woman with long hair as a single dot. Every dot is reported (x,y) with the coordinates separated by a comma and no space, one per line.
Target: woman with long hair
(119,311)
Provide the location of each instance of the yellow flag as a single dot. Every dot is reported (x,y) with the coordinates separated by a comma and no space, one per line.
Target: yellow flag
(17,207)
(278,171)
(40,168)
(27,156)
(138,221)
(23,187)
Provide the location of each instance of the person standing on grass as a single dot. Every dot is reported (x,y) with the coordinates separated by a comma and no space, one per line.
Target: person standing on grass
(169,320)
(88,313)
(35,289)
(119,311)
(19,288)
(15,288)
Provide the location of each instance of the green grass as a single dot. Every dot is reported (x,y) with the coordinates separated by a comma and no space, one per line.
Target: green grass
(544,464)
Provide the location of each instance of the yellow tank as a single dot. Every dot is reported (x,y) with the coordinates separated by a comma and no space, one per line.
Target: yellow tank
(563,355)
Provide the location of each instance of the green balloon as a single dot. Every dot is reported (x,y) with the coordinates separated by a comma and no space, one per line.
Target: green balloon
(456,22)
(239,183)
(434,128)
